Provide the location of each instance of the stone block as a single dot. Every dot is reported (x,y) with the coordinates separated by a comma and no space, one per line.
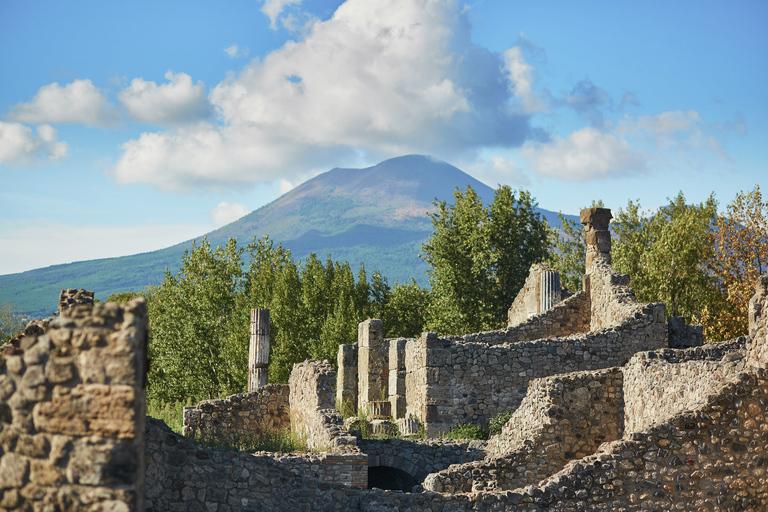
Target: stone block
(596,218)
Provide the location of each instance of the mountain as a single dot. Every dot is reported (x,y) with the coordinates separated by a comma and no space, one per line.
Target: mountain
(375,215)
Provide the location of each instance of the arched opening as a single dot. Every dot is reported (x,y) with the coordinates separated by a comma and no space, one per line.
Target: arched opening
(391,479)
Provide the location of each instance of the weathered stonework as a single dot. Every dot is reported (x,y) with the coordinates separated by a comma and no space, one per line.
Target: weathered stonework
(372,363)
(346,378)
(397,372)
(313,414)
(540,292)
(72,412)
(239,416)
(74,297)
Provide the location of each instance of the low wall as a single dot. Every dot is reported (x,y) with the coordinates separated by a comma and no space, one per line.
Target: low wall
(659,384)
(72,412)
(313,414)
(449,383)
(241,415)
(562,418)
(419,458)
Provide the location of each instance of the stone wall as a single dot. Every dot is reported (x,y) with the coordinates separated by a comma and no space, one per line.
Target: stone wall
(562,418)
(346,378)
(449,383)
(659,384)
(73,297)
(313,414)
(612,301)
(758,324)
(72,412)
(241,415)
(571,316)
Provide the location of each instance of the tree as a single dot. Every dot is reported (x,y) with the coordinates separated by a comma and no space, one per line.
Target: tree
(740,257)
(194,351)
(479,258)
(406,311)
(11,323)
(667,254)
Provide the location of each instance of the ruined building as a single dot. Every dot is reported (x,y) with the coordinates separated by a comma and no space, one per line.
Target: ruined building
(607,414)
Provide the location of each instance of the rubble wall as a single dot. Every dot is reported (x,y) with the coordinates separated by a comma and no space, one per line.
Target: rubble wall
(241,415)
(72,412)
(562,418)
(313,414)
(571,316)
(449,383)
(659,384)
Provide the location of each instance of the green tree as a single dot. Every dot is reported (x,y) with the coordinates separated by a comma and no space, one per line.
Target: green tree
(193,350)
(406,311)
(479,258)
(667,254)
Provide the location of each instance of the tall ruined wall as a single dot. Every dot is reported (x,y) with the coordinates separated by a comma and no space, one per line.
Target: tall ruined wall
(612,300)
(72,412)
(449,383)
(562,418)
(241,415)
(659,384)
(313,414)
(571,316)
(758,324)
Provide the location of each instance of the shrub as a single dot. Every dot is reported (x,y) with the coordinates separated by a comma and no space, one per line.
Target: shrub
(467,431)
(498,422)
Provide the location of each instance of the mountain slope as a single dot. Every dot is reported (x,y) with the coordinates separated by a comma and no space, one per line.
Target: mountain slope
(375,215)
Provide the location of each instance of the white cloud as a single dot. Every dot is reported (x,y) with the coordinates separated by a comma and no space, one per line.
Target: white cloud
(227,212)
(19,146)
(383,77)
(587,154)
(236,52)
(172,103)
(77,102)
(21,248)
(521,75)
(273,9)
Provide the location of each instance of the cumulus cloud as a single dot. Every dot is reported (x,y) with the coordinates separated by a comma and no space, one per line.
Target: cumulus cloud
(76,102)
(227,212)
(586,154)
(19,146)
(173,103)
(387,77)
(236,52)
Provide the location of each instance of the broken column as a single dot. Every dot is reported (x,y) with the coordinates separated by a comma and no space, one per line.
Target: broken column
(372,363)
(596,221)
(258,350)
(549,289)
(346,379)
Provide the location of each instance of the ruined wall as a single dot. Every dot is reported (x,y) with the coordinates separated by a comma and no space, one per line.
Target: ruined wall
(72,412)
(241,415)
(396,387)
(612,300)
(758,324)
(313,414)
(562,418)
(659,384)
(540,292)
(449,383)
(346,378)
(571,316)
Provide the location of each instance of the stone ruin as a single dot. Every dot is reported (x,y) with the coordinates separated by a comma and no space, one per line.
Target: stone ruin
(606,415)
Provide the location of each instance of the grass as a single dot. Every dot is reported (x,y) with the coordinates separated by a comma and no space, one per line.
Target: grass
(264,439)
(170,413)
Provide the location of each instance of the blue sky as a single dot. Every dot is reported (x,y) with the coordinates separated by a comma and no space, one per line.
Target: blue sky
(130,126)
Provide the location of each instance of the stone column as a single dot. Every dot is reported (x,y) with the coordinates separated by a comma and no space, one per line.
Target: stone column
(549,289)
(372,363)
(397,377)
(598,240)
(258,350)
(346,378)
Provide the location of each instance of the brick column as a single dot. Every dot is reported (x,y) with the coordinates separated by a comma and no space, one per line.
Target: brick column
(598,240)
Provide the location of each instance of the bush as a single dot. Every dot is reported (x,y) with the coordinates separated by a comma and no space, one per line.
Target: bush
(467,431)
(498,422)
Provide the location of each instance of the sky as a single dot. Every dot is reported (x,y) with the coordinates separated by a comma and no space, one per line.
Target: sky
(127,127)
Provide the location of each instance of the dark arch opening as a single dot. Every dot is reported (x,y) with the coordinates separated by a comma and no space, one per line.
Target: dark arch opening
(391,479)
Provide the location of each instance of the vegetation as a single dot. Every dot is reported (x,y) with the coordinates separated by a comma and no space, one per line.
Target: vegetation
(265,439)
(467,431)
(200,322)
(11,322)
(479,258)
(497,423)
